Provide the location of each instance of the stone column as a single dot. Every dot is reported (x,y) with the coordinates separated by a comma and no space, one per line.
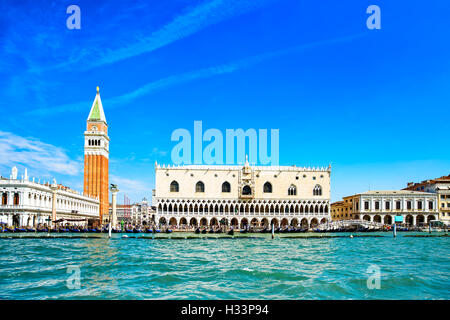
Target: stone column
(113,218)
(54,188)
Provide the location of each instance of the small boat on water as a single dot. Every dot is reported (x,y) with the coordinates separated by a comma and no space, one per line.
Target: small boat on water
(299,230)
(42,230)
(129,230)
(168,230)
(218,231)
(244,231)
(148,230)
(64,230)
(231,232)
(137,230)
(31,230)
(197,231)
(20,230)
(204,231)
(211,230)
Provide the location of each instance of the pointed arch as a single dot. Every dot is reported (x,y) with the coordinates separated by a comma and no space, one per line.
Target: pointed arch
(292,190)
(199,187)
(317,191)
(226,187)
(174,186)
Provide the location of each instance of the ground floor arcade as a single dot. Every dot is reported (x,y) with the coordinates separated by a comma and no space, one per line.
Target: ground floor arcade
(408,219)
(241,222)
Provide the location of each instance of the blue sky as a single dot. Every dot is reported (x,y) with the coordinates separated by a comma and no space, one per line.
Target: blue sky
(373,103)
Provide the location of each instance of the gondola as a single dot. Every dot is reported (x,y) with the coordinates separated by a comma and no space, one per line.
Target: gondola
(74,230)
(197,231)
(265,230)
(148,230)
(64,230)
(299,230)
(168,230)
(218,231)
(31,230)
(137,230)
(231,232)
(129,230)
(204,231)
(85,230)
(244,231)
(92,230)
(211,230)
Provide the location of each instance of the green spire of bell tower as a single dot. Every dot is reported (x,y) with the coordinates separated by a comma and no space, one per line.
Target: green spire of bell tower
(97,113)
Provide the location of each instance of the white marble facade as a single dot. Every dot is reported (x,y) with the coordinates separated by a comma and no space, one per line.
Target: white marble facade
(242,195)
(28,203)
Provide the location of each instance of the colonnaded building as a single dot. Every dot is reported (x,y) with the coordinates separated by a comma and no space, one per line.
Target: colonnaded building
(27,203)
(241,195)
(416,208)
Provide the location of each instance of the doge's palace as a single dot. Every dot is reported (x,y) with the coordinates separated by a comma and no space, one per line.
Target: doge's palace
(241,195)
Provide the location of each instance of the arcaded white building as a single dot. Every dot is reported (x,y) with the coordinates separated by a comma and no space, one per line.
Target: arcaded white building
(26,203)
(382,206)
(241,195)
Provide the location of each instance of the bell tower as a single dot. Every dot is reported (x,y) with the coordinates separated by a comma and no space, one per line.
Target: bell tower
(96,156)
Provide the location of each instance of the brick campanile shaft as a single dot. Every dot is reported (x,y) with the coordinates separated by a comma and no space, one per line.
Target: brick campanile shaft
(96,156)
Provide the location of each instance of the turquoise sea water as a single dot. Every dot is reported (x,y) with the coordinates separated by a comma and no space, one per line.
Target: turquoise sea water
(225,268)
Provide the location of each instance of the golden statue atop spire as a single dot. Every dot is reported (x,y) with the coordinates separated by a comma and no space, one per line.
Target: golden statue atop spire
(98,89)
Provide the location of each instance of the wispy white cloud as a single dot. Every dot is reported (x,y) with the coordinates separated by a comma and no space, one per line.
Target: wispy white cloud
(193,75)
(34,154)
(191,21)
(157,152)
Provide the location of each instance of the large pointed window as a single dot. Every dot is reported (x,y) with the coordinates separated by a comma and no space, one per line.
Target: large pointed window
(226,187)
(199,187)
(292,191)
(174,187)
(317,191)
(267,187)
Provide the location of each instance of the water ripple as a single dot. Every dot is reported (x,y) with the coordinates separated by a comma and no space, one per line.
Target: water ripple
(208,268)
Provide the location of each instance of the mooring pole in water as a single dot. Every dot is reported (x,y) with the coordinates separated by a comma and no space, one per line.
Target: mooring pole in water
(109,230)
(273,231)
(395,230)
(429,227)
